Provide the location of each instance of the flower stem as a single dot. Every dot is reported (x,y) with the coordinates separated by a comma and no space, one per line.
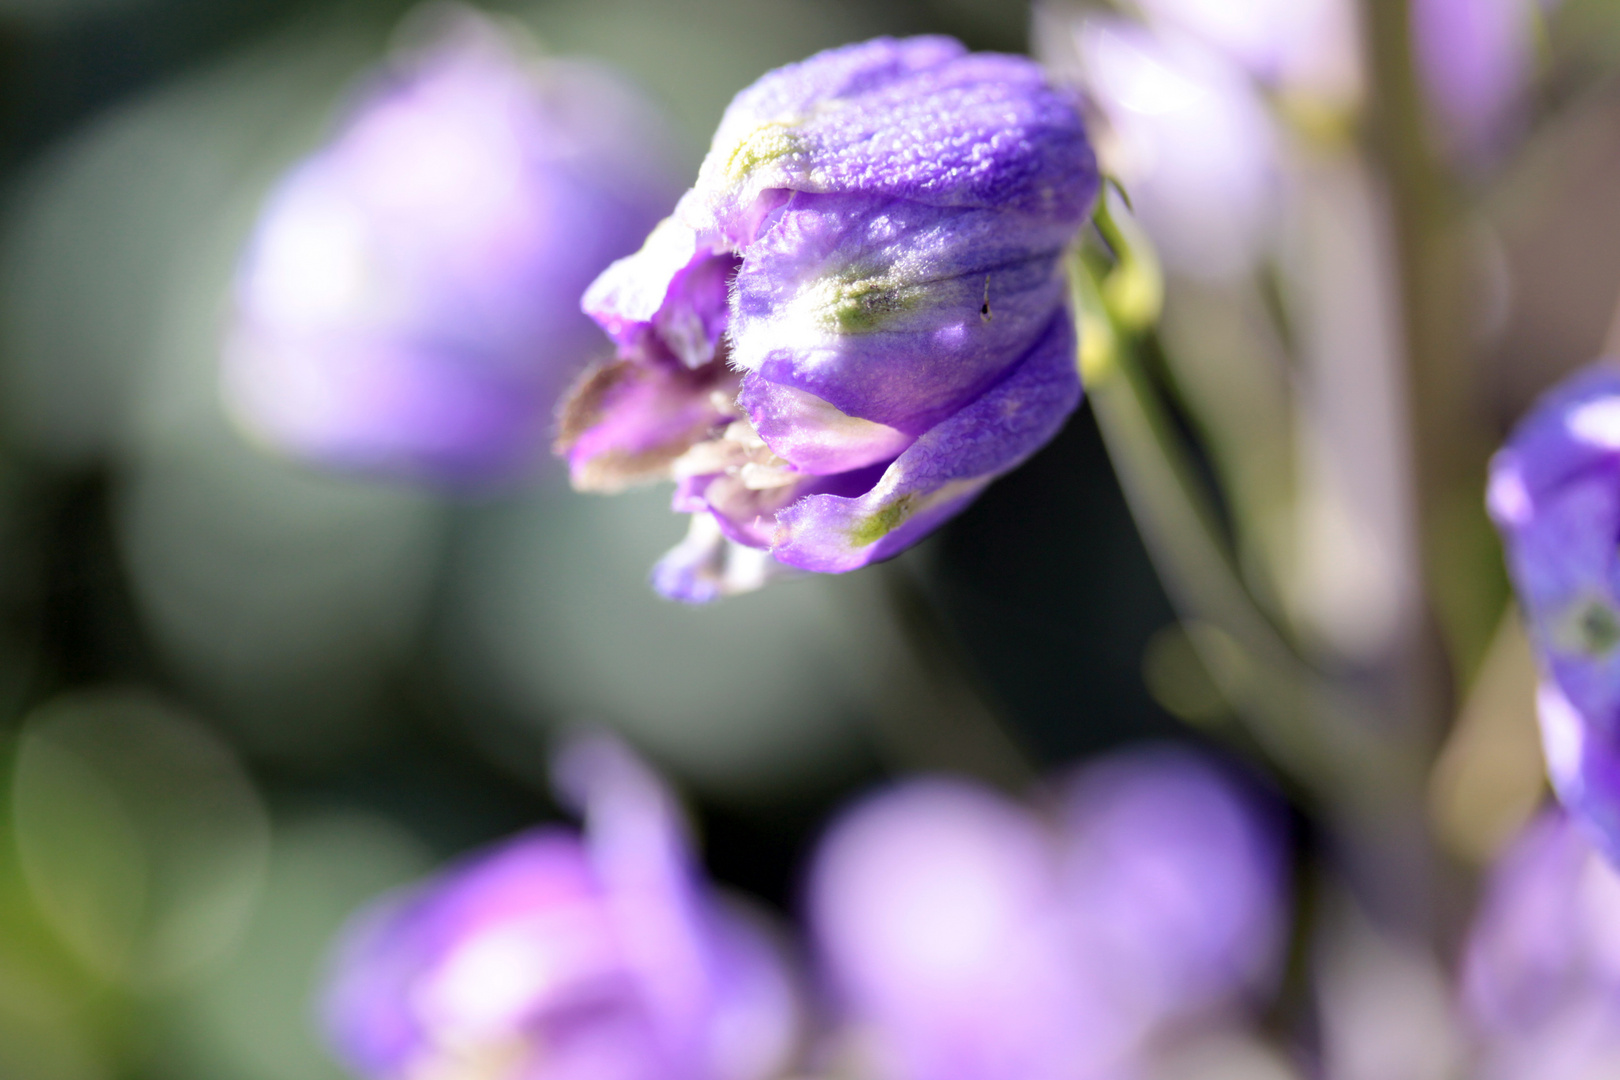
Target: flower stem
(1316,732)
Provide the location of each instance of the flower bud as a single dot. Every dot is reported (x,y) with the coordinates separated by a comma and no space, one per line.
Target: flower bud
(1188,135)
(1542,964)
(549,956)
(855,319)
(407,304)
(1476,59)
(970,938)
(1555,496)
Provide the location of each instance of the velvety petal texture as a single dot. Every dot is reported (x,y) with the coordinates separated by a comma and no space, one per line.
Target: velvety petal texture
(874,245)
(407,303)
(965,936)
(1555,495)
(551,956)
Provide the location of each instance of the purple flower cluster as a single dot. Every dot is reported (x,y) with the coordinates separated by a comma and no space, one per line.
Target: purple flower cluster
(1541,972)
(974,938)
(408,304)
(853,321)
(554,957)
(1555,495)
(960,936)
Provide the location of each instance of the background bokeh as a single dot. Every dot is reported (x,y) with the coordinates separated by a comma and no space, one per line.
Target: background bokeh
(238,697)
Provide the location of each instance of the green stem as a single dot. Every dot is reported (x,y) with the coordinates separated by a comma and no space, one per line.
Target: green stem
(1325,741)
(1465,591)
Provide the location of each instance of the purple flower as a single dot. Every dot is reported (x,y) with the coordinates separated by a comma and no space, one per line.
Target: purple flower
(1476,59)
(1541,971)
(408,302)
(1300,45)
(1555,495)
(549,958)
(1192,141)
(855,319)
(970,938)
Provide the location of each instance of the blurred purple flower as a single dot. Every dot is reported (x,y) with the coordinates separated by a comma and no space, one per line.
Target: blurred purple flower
(1555,495)
(549,958)
(408,304)
(1191,139)
(1301,46)
(968,938)
(1541,972)
(854,321)
(1476,59)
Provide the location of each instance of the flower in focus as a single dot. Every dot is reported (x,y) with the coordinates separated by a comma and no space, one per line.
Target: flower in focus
(853,322)
(969,938)
(1555,495)
(408,302)
(552,957)
(1542,967)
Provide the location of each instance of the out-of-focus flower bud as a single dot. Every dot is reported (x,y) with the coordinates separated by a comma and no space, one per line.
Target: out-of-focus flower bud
(548,957)
(1188,136)
(1476,58)
(1555,495)
(855,319)
(1542,967)
(1297,46)
(969,938)
(1177,879)
(408,304)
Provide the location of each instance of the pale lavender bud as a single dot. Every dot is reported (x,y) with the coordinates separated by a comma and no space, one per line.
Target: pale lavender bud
(1190,138)
(552,958)
(1307,46)
(1476,58)
(1541,971)
(854,321)
(1555,496)
(968,937)
(1180,874)
(408,304)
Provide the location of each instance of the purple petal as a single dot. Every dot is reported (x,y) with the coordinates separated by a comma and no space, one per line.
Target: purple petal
(407,303)
(1541,969)
(1475,57)
(1583,763)
(708,565)
(366,403)
(916,119)
(553,959)
(1180,876)
(1555,495)
(944,469)
(814,436)
(625,423)
(893,311)
(666,300)
(1198,148)
(1526,957)
(937,912)
(397,974)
